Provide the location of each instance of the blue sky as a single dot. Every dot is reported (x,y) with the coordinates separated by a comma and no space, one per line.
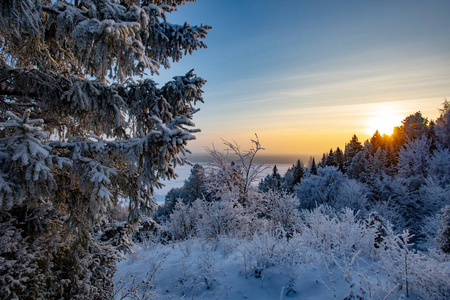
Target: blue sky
(306,75)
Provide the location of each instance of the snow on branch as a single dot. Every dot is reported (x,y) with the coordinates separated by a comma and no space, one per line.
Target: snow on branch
(25,157)
(97,37)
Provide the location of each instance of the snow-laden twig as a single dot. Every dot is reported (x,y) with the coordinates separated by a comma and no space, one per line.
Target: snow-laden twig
(330,277)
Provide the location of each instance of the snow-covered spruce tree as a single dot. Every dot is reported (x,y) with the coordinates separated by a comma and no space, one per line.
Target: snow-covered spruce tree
(292,177)
(77,132)
(443,125)
(193,188)
(272,182)
(351,149)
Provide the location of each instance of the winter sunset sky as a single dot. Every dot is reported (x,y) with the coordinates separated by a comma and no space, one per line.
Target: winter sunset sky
(307,75)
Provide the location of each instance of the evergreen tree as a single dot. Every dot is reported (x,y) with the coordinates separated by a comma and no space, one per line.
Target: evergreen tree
(272,182)
(233,177)
(292,177)
(323,161)
(351,149)
(338,156)
(329,160)
(357,167)
(313,167)
(443,125)
(376,141)
(413,162)
(72,142)
(413,127)
(171,199)
(376,165)
(195,184)
(193,188)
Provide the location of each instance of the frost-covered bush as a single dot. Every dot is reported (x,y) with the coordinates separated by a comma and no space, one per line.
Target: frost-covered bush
(150,233)
(261,252)
(323,188)
(323,233)
(222,217)
(134,287)
(413,271)
(399,258)
(352,194)
(208,265)
(280,209)
(334,189)
(182,221)
(338,232)
(227,175)
(115,234)
(211,220)
(443,238)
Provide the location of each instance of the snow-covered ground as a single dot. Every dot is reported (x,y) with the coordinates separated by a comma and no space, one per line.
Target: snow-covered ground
(195,269)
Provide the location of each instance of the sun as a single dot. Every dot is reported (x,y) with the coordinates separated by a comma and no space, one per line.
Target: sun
(383,120)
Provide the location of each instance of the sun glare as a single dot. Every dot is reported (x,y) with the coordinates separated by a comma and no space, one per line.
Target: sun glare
(384,121)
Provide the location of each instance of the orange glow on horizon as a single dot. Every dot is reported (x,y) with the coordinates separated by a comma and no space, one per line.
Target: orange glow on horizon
(311,130)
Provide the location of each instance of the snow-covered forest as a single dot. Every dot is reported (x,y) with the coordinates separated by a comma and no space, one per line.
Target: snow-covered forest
(86,137)
(369,222)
